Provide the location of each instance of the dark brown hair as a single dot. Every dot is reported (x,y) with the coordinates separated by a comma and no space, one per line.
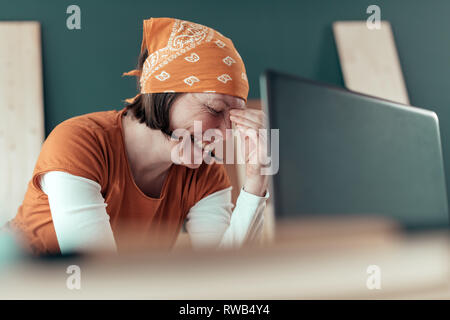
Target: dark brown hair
(152,108)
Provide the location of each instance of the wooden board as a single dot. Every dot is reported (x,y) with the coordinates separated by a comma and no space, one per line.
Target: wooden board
(296,266)
(21,107)
(369,60)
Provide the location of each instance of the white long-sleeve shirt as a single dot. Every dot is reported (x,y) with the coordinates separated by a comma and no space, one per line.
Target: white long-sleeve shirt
(81,222)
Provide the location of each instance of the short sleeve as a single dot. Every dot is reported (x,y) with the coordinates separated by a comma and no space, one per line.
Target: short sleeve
(211,178)
(73,148)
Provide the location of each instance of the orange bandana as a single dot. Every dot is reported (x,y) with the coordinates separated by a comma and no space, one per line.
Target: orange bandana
(188,57)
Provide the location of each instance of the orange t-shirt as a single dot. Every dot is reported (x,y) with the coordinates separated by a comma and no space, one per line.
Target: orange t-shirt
(92,146)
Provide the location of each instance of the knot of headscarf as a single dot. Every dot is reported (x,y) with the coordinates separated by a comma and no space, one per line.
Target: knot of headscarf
(188,57)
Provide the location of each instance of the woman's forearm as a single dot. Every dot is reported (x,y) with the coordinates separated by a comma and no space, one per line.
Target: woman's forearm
(78,212)
(212,223)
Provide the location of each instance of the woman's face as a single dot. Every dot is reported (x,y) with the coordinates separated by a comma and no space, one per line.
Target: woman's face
(211,110)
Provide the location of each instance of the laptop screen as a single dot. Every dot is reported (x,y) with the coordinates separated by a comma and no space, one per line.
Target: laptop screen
(342,152)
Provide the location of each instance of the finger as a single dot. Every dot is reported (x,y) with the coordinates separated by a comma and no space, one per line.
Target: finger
(248,132)
(249,110)
(248,135)
(246,122)
(243,127)
(245,146)
(257,116)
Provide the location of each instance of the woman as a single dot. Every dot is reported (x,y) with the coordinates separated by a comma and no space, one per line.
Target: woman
(105,175)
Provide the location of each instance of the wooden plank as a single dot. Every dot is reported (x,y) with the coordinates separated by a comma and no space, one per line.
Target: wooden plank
(21,106)
(369,60)
(411,265)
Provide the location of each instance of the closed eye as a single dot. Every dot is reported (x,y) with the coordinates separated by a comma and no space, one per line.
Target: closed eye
(212,110)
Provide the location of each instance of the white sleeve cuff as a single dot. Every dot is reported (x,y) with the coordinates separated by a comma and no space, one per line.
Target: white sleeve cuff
(212,223)
(250,200)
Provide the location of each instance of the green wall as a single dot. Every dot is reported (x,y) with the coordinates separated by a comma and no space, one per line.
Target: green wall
(82,68)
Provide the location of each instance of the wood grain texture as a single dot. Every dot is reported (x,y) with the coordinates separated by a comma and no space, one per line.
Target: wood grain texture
(295,266)
(369,60)
(21,106)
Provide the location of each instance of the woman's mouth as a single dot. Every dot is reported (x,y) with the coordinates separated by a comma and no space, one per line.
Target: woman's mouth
(203,145)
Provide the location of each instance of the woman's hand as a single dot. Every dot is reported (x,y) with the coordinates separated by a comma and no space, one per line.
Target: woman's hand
(249,122)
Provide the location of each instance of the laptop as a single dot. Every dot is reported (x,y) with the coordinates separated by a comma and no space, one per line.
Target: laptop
(345,153)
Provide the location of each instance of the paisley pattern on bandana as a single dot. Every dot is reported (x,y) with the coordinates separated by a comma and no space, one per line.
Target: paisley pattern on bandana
(172,66)
(185,36)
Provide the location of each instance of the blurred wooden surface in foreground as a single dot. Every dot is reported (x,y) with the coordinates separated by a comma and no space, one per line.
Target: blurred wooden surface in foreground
(309,259)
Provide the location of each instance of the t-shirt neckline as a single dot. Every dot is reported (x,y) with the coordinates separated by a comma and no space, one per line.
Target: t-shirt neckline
(128,168)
